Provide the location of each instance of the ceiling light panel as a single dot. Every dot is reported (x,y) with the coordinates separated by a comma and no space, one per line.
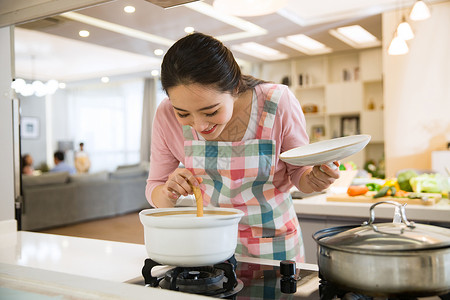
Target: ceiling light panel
(307,13)
(259,51)
(249,8)
(248,29)
(355,36)
(304,44)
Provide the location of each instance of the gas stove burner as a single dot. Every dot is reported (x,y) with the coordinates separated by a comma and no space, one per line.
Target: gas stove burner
(217,281)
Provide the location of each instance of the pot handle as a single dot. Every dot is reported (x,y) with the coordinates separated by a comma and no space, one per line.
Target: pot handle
(399,210)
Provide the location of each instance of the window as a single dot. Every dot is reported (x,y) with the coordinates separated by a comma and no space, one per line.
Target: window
(107,118)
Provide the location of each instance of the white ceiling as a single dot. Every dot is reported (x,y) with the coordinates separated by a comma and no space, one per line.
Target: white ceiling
(44,56)
(121,43)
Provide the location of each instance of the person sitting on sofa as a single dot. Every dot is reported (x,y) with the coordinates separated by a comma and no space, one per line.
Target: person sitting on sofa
(27,164)
(60,165)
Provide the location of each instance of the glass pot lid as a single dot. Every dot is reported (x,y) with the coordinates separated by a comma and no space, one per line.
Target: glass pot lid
(399,235)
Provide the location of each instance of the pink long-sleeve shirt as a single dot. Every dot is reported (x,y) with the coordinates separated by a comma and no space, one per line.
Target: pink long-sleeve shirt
(289,131)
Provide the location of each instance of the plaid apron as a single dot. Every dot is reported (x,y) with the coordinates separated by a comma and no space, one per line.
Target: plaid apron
(240,175)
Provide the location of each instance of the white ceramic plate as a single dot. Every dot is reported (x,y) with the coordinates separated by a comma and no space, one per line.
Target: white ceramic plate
(325,152)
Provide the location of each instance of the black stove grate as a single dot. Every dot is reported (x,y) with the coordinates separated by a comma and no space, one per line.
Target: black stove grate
(217,280)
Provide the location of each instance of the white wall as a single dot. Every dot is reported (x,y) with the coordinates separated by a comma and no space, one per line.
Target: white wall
(34,107)
(417,92)
(6,130)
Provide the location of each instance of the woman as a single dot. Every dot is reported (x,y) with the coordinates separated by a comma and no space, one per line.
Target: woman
(228,130)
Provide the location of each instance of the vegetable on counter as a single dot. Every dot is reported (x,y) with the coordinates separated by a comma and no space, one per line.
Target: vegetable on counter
(374,187)
(402,194)
(428,183)
(403,180)
(392,182)
(356,190)
(386,191)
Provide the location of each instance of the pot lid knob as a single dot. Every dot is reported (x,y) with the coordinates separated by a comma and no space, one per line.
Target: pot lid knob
(287,268)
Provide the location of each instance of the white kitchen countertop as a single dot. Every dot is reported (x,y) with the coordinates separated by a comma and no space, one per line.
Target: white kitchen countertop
(46,265)
(318,206)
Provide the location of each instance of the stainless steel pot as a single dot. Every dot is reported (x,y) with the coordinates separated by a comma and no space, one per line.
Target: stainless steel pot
(386,259)
(177,237)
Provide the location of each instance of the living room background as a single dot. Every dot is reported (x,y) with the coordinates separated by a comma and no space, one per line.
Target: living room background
(106,117)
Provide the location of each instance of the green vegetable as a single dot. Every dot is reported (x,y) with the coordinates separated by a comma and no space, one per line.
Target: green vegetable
(382,192)
(403,180)
(393,190)
(428,183)
(415,196)
(373,186)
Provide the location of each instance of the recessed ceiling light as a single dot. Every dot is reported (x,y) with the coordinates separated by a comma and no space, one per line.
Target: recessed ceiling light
(355,36)
(305,44)
(105,79)
(62,85)
(158,52)
(259,51)
(83,33)
(129,9)
(189,29)
(155,73)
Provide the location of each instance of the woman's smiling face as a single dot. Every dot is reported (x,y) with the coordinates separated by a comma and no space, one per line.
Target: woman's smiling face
(203,108)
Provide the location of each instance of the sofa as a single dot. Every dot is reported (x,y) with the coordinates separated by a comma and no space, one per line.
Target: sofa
(58,199)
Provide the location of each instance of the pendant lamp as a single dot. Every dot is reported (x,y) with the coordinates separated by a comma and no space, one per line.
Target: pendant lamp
(398,46)
(404,31)
(420,11)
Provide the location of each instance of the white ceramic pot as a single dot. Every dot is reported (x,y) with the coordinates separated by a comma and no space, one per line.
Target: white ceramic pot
(177,237)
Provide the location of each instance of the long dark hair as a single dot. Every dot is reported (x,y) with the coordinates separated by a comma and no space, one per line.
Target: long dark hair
(202,59)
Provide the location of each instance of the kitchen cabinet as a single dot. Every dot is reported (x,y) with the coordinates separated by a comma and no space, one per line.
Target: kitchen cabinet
(334,88)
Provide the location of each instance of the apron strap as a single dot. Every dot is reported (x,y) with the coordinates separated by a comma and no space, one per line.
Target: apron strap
(267,119)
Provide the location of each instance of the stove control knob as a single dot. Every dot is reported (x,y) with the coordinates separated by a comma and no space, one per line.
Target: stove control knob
(287,268)
(288,286)
(288,281)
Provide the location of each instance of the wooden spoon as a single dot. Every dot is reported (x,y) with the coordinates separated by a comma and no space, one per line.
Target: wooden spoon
(198,200)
